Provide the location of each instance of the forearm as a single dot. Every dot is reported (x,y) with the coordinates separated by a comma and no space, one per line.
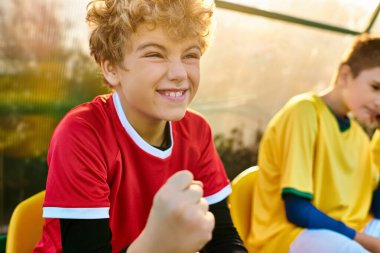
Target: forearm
(85,235)
(302,213)
(145,244)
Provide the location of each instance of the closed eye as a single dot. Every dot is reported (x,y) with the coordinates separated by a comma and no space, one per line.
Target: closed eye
(153,55)
(375,87)
(192,56)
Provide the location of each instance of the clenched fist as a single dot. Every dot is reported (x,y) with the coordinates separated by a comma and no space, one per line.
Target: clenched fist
(179,221)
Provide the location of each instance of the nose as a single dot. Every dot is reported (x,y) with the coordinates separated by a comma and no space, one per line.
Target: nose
(177,71)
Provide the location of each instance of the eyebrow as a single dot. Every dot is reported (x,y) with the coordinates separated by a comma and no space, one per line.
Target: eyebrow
(150,44)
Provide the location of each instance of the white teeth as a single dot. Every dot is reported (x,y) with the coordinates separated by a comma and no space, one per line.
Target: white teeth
(174,93)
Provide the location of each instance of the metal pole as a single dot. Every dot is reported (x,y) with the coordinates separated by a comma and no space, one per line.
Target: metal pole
(373,18)
(282,17)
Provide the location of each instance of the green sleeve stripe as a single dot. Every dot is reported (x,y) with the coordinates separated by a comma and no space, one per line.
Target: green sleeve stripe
(297,192)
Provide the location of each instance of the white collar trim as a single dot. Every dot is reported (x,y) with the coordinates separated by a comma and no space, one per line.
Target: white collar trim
(136,137)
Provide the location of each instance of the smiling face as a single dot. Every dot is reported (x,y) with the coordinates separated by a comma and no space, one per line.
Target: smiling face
(362,95)
(158,77)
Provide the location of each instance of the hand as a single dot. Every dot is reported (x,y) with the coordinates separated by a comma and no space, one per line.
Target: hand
(370,243)
(370,119)
(179,221)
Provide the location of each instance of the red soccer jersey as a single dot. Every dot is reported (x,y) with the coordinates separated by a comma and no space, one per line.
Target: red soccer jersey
(99,167)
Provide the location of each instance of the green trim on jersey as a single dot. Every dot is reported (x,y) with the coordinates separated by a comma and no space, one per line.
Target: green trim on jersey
(344,122)
(293,191)
(304,148)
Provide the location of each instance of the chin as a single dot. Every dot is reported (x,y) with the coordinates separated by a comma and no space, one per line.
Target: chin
(175,116)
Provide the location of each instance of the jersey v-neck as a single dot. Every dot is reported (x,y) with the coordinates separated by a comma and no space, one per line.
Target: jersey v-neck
(140,142)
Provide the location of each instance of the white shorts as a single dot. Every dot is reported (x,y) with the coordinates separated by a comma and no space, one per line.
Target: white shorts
(328,241)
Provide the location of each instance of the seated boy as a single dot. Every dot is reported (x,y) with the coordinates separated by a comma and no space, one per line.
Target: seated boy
(128,170)
(315,184)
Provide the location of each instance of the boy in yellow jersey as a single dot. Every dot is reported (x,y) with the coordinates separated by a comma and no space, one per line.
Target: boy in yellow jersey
(315,184)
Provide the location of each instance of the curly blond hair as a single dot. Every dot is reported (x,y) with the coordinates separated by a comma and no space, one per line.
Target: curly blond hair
(114,21)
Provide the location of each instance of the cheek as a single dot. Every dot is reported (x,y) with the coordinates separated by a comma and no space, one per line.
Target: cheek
(134,90)
(194,77)
(354,101)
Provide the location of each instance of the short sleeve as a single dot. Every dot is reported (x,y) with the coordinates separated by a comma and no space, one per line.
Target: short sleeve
(298,135)
(77,176)
(210,169)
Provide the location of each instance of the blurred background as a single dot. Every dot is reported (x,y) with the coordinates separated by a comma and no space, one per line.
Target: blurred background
(263,53)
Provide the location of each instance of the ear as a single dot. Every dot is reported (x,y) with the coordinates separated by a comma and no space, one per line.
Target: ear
(110,73)
(344,75)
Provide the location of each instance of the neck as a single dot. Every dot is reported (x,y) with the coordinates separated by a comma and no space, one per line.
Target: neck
(151,130)
(154,134)
(334,100)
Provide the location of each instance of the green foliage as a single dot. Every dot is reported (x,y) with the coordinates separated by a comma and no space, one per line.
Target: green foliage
(42,75)
(234,153)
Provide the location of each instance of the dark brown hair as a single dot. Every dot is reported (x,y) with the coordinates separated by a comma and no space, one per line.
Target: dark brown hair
(364,54)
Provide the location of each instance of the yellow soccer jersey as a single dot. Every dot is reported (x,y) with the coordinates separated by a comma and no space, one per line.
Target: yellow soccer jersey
(303,152)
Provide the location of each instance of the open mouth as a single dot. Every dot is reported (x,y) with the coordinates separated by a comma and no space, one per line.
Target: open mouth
(174,94)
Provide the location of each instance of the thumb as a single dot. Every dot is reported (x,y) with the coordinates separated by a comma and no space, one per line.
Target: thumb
(181,180)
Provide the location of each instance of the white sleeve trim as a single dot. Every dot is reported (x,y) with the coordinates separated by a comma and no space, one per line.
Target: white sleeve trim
(219,196)
(76,213)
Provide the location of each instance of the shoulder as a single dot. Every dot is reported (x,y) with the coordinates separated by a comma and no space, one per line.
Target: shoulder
(300,111)
(193,121)
(85,121)
(303,103)
(193,126)
(90,113)
(94,111)
(303,106)
(194,117)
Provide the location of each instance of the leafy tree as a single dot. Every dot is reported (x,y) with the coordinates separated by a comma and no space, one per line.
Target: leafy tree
(42,75)
(234,153)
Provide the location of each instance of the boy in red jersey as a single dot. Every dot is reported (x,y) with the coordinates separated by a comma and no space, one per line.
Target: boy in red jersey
(135,171)
(316,188)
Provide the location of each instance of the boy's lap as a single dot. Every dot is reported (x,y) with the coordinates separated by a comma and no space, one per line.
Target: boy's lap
(326,241)
(373,228)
